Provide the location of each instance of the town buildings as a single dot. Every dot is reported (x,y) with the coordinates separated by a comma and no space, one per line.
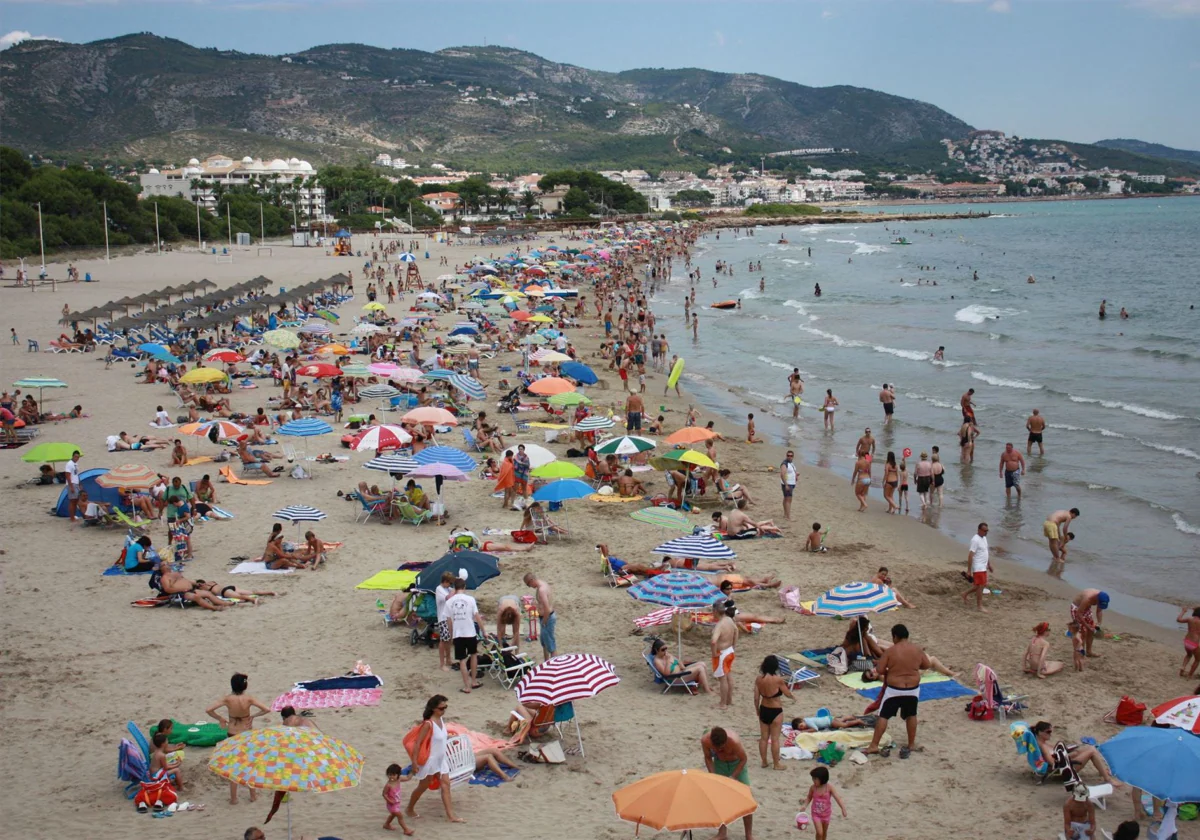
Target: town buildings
(204,182)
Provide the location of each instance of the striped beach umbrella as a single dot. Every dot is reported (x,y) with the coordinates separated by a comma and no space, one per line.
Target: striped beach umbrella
(226,429)
(366,328)
(299,513)
(663,518)
(379,392)
(382,438)
(446,455)
(681,590)
(697,546)
(128,477)
(566,678)
(407,257)
(282,339)
(356,371)
(595,423)
(854,599)
(308,427)
(625,445)
(469,385)
(315,327)
(438,374)
(40,382)
(392,463)
(1182,712)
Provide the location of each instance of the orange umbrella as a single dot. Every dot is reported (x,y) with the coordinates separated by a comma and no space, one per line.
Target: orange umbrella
(335,349)
(551,385)
(128,476)
(429,415)
(691,434)
(678,800)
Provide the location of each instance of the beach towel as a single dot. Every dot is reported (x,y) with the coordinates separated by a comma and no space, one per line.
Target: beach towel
(537,425)
(199,459)
(845,738)
(329,699)
(257,567)
(817,655)
(340,683)
(119,571)
(227,475)
(200,734)
(944,690)
(614,498)
(388,579)
(218,513)
(487,778)
(856,681)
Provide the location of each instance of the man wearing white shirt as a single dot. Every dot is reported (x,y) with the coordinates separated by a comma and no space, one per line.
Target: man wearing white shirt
(463,614)
(72,471)
(787,482)
(978,566)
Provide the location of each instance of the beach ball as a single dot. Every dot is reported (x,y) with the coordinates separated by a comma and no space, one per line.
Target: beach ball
(907,452)
(802,821)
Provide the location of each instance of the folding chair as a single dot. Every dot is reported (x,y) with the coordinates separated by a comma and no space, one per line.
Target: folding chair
(541,527)
(507,665)
(565,714)
(369,509)
(611,576)
(461,759)
(472,443)
(1000,701)
(795,676)
(667,681)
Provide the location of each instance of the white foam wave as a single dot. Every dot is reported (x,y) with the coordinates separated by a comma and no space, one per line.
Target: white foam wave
(836,339)
(1174,450)
(915,355)
(775,363)
(1098,431)
(750,293)
(944,363)
(844,241)
(797,305)
(1099,487)
(977,313)
(1182,524)
(931,400)
(995,290)
(1132,408)
(1001,382)
(908,284)
(774,398)
(791,262)
(863,248)
(994,336)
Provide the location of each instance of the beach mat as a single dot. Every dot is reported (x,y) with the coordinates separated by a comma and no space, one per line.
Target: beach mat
(855,680)
(817,655)
(614,498)
(388,579)
(329,699)
(946,690)
(199,459)
(257,567)
(119,571)
(487,778)
(227,475)
(847,738)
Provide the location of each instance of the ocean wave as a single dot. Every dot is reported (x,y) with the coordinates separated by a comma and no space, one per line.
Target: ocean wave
(768,318)
(797,305)
(774,398)
(792,262)
(1100,487)
(1096,431)
(977,313)
(1164,354)
(835,338)
(931,400)
(863,248)
(750,293)
(1182,524)
(914,355)
(1132,408)
(1174,450)
(995,290)
(1000,382)
(909,284)
(949,364)
(844,241)
(775,363)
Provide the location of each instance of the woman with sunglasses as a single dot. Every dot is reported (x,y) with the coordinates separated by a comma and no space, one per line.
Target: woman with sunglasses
(437,764)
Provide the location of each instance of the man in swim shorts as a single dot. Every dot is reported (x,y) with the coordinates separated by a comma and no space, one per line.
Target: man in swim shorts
(725,755)
(900,669)
(1012,465)
(724,635)
(1036,425)
(1083,624)
(795,391)
(887,396)
(787,482)
(1056,529)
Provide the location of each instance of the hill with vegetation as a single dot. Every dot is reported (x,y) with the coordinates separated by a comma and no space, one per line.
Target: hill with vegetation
(1158,150)
(142,96)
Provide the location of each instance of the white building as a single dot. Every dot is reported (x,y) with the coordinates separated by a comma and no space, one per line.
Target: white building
(202,182)
(1151,179)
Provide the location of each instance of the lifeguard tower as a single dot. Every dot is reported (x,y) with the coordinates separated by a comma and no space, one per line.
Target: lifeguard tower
(341,245)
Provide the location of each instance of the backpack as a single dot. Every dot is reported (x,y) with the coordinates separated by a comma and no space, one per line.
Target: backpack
(214,433)
(1130,712)
(837,661)
(980,709)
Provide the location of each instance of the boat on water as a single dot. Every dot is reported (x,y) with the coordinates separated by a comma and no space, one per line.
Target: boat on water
(900,240)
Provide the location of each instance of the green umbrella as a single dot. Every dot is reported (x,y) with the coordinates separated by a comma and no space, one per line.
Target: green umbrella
(50,453)
(39,382)
(626,445)
(662,517)
(535,339)
(356,371)
(558,469)
(570,399)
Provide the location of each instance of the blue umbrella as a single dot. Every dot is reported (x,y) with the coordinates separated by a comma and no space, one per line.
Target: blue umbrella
(563,490)
(407,256)
(580,372)
(479,567)
(308,427)
(700,547)
(1163,762)
(446,455)
(159,352)
(854,599)
(439,373)
(470,386)
(299,513)
(465,329)
(681,590)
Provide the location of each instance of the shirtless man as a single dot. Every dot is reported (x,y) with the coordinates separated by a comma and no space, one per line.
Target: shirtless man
(173,583)
(1056,529)
(861,480)
(968,405)
(627,485)
(1083,624)
(179,455)
(887,396)
(795,390)
(738,522)
(240,708)
(900,669)
(865,445)
(232,592)
(547,620)
(724,636)
(691,564)
(1012,466)
(724,755)
(1036,424)
(1191,642)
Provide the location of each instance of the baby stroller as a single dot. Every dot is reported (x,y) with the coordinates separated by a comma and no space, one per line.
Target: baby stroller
(423,620)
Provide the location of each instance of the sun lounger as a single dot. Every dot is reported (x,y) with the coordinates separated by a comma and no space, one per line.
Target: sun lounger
(669,682)
(795,673)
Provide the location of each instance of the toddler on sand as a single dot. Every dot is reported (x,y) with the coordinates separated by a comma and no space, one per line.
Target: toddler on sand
(394,800)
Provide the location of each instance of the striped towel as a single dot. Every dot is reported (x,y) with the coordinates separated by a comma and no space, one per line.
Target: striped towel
(654,619)
(335,699)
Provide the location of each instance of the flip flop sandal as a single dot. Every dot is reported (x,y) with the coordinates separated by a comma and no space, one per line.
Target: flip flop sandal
(905,752)
(885,752)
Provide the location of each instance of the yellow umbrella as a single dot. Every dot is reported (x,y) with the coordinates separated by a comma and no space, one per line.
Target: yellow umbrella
(542,319)
(282,339)
(374,306)
(200,375)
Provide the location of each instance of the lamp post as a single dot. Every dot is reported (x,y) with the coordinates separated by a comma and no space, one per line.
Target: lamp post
(41,241)
(104,205)
(199,243)
(157,238)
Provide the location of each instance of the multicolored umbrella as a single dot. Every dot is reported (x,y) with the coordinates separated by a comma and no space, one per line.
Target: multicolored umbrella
(681,800)
(437,374)
(1182,712)
(672,459)
(854,599)
(697,546)
(470,386)
(663,518)
(566,678)
(226,429)
(681,590)
(128,477)
(382,438)
(625,445)
(446,455)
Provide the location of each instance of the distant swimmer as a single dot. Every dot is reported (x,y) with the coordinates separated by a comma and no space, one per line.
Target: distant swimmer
(762,284)
(1124,314)
(739,303)
(1030,279)
(940,354)
(1103,309)
(782,241)
(817,289)
(975,275)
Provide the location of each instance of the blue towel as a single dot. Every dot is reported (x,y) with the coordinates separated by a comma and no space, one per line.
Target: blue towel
(119,571)
(817,655)
(944,690)
(487,778)
(341,683)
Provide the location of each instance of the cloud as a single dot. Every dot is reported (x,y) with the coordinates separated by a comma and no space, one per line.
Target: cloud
(1169,8)
(827,14)
(18,35)
(1002,7)
(719,37)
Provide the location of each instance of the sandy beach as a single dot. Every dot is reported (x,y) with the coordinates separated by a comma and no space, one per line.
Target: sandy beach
(78,662)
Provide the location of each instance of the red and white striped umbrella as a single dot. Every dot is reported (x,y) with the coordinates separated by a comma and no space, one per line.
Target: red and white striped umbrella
(383,438)
(1182,712)
(561,679)
(223,354)
(226,429)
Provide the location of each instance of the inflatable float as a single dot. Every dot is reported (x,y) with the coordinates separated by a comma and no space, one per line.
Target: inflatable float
(725,304)
(676,372)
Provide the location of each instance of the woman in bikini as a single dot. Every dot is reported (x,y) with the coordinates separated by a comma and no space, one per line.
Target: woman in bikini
(240,708)
(891,479)
(230,591)
(669,666)
(276,558)
(769,690)
(939,476)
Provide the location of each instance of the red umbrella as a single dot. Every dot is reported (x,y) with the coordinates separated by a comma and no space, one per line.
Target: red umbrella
(1182,712)
(224,355)
(382,438)
(562,679)
(319,370)
(521,315)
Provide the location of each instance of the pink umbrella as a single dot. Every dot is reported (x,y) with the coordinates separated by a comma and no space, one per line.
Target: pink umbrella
(405,374)
(429,415)
(384,368)
(383,438)
(442,472)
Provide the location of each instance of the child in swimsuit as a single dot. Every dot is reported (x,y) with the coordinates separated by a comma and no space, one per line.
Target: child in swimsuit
(394,799)
(822,795)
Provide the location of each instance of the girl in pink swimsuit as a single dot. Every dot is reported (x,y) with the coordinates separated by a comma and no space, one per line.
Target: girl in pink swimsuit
(822,795)
(393,798)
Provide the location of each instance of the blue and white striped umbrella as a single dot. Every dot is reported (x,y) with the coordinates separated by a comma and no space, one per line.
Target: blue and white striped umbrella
(681,590)
(446,455)
(299,513)
(439,373)
(594,424)
(470,386)
(465,329)
(379,392)
(308,427)
(392,464)
(408,256)
(854,599)
(315,327)
(700,547)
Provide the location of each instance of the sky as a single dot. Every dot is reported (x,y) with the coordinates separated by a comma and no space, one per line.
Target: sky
(1081,70)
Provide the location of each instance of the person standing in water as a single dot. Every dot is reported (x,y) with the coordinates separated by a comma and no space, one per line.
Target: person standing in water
(1103,309)
(795,391)
(940,354)
(1012,466)
(887,396)
(1036,425)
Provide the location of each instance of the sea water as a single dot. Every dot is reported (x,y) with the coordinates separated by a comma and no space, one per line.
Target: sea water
(1122,397)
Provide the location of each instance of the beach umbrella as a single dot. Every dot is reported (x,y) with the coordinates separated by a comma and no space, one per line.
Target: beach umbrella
(50,453)
(854,599)
(479,567)
(374,306)
(465,329)
(570,399)
(319,370)
(384,368)
(558,469)
(335,349)
(200,375)
(580,372)
(690,434)
(226,429)
(672,459)
(595,423)
(563,490)
(448,472)
(679,591)
(406,374)
(438,374)
(682,800)
(298,514)
(392,464)
(548,356)
(534,339)
(446,455)
(129,477)
(282,339)
(39,382)
(1182,712)
(538,455)
(291,758)
(428,415)
(566,678)
(366,328)
(408,256)
(663,518)
(625,445)
(541,319)
(315,328)
(470,386)
(379,392)
(356,371)
(456,349)
(382,438)
(1163,762)
(308,427)
(223,355)
(696,546)
(551,385)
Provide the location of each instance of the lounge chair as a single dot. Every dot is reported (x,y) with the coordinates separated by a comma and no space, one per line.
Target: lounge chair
(57,346)
(1001,702)
(472,443)
(369,508)
(507,666)
(136,527)
(541,527)
(406,511)
(461,760)
(795,676)
(1043,766)
(667,681)
(614,578)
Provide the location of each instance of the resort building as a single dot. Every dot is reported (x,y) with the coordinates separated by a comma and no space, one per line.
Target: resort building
(204,182)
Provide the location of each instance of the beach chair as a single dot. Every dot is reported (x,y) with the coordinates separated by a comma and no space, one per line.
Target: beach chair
(472,443)
(795,675)
(1003,703)
(460,758)
(369,509)
(33,347)
(563,715)
(541,527)
(137,528)
(57,346)
(1043,766)
(614,578)
(507,665)
(669,682)
(132,767)
(407,512)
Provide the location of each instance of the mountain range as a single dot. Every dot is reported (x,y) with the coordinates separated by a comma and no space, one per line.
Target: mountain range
(1158,150)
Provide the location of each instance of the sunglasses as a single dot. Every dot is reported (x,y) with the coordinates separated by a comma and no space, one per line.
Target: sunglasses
(442,708)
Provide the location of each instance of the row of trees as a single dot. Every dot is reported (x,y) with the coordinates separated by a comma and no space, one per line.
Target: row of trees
(475,195)
(590,193)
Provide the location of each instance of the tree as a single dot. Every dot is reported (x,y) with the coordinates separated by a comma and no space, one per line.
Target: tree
(693,198)
(503,199)
(599,190)
(528,200)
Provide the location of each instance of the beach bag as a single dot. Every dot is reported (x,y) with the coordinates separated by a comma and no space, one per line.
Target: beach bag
(980,709)
(527,537)
(1130,712)
(789,598)
(837,661)
(830,754)
(419,751)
